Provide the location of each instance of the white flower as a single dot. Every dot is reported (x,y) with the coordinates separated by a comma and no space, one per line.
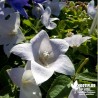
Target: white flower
(24,79)
(76,40)
(46,56)
(10,34)
(76,92)
(91,9)
(55,6)
(46,20)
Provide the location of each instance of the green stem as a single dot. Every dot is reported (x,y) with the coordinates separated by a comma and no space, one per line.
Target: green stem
(74,49)
(81,66)
(38,23)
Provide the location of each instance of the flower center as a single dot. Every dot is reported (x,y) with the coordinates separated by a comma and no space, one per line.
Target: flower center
(44,57)
(45,54)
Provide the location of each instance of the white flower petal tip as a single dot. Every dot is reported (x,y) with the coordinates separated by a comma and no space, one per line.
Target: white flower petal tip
(42,34)
(76,40)
(55,6)
(47,21)
(53,19)
(63,65)
(51,26)
(16,75)
(61,44)
(23,50)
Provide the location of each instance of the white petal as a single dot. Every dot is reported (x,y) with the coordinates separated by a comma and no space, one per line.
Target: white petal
(33,92)
(6,12)
(62,5)
(16,75)
(22,94)
(55,7)
(28,66)
(74,94)
(45,45)
(53,19)
(41,6)
(55,10)
(40,43)
(17,21)
(59,45)
(11,40)
(19,36)
(91,12)
(51,25)
(2,4)
(85,39)
(63,65)
(39,37)
(29,89)
(46,49)
(90,9)
(40,73)
(11,24)
(75,40)
(92,3)
(23,50)
(45,18)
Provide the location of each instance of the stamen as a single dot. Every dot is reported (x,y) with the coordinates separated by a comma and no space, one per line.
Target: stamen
(44,57)
(45,54)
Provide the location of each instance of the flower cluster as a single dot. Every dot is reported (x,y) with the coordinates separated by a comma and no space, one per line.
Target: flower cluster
(43,54)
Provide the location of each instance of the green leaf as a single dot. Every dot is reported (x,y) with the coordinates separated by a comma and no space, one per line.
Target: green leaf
(29,24)
(6,96)
(87,76)
(59,88)
(71,3)
(84,49)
